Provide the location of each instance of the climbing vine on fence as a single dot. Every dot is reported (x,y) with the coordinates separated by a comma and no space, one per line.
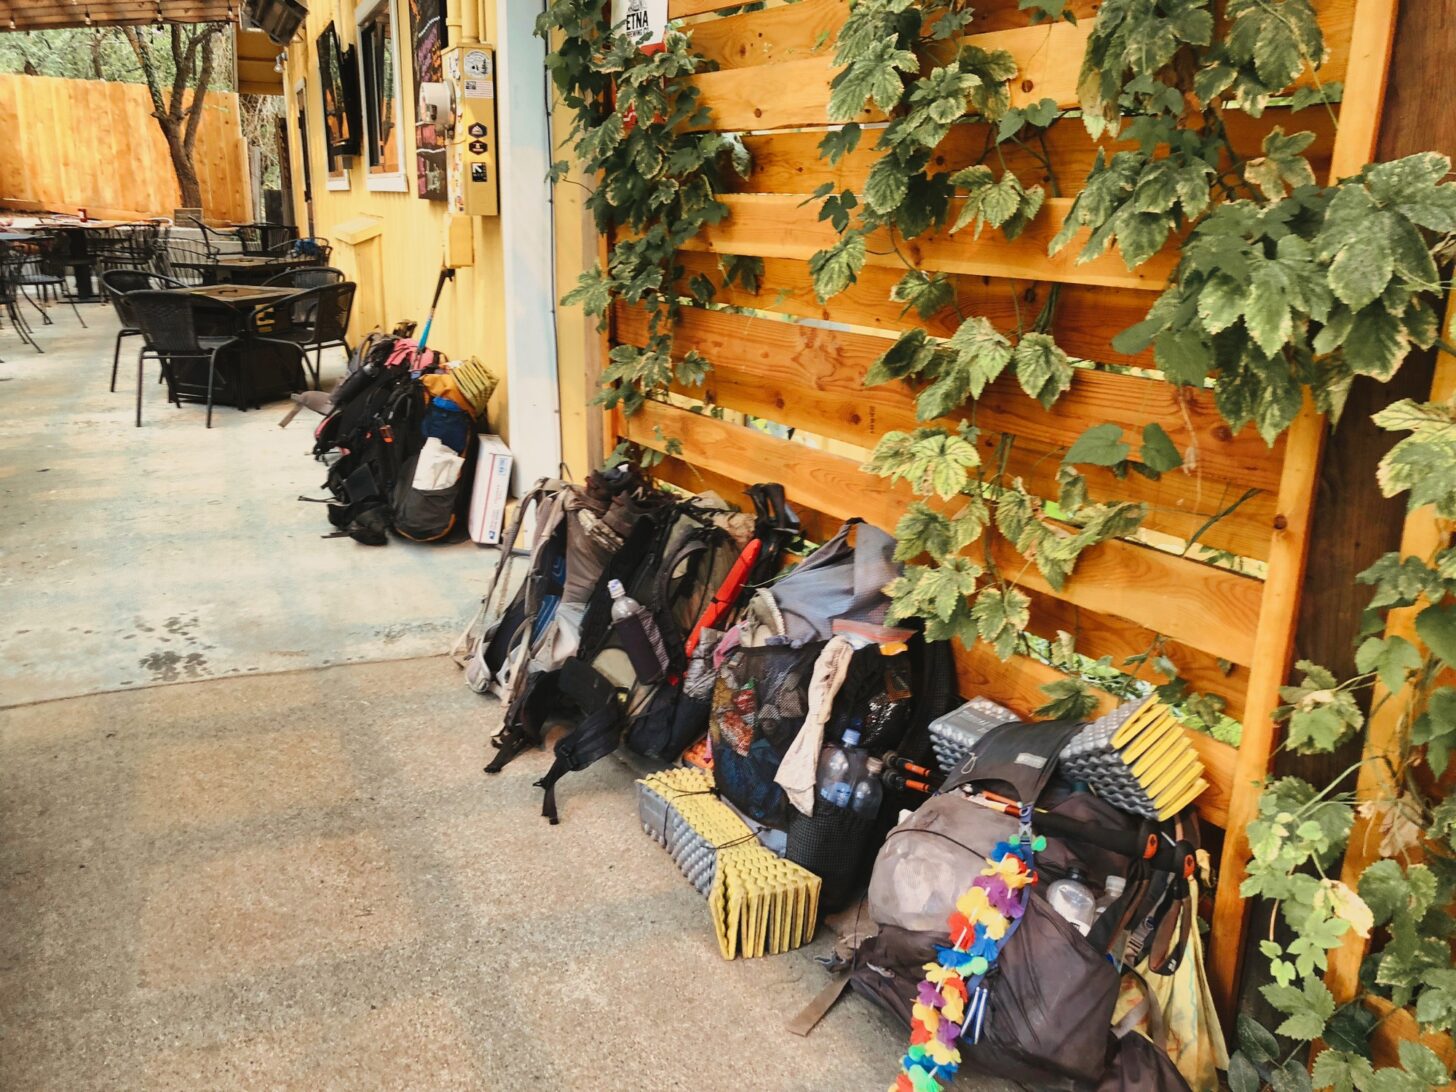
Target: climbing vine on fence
(1284,289)
(657,186)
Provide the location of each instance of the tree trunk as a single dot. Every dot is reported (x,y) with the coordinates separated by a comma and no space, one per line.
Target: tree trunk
(182,164)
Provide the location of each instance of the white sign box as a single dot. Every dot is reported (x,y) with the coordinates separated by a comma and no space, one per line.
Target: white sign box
(646,20)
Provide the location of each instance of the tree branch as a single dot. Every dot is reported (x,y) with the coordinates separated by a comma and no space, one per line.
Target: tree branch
(154,85)
(199,92)
(182,62)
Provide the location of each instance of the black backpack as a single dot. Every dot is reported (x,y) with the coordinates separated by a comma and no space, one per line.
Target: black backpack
(671,562)
(370,443)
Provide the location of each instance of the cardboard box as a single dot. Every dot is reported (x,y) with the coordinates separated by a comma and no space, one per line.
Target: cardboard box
(491,491)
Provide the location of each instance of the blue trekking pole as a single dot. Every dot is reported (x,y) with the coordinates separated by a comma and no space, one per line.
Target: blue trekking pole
(446,274)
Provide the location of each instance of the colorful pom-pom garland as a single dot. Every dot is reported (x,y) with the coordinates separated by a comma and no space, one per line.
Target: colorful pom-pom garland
(951,1002)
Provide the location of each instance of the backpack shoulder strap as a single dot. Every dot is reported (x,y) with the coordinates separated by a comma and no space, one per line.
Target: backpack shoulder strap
(460,652)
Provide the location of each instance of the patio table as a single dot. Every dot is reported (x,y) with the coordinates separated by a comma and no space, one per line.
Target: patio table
(242,269)
(74,232)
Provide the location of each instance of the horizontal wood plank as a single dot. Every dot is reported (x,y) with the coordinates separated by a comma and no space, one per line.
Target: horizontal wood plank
(742,96)
(1087,318)
(1099,635)
(813,378)
(790,162)
(795,92)
(1199,605)
(782,226)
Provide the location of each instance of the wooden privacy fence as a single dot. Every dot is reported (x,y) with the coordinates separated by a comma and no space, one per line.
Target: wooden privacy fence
(94,145)
(1228,629)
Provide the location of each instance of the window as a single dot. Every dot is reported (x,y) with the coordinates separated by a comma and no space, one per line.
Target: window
(379,79)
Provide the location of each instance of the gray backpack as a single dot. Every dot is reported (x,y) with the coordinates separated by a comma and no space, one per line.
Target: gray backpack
(1052,991)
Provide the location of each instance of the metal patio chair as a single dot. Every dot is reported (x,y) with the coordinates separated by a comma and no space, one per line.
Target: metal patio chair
(168,322)
(116,283)
(313,320)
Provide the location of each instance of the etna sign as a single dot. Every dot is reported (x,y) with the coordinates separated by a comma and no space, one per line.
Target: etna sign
(644,21)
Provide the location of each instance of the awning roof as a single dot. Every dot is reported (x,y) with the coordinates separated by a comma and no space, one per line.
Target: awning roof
(43,14)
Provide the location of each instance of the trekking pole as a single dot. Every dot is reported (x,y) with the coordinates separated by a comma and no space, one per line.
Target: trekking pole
(446,274)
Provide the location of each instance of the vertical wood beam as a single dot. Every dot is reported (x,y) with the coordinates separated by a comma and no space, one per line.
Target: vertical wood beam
(1371,35)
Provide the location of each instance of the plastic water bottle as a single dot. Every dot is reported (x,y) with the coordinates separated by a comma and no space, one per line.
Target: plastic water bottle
(630,623)
(1074,900)
(839,768)
(868,791)
(1110,894)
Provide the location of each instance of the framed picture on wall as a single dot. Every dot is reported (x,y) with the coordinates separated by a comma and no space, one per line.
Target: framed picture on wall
(427,40)
(340,89)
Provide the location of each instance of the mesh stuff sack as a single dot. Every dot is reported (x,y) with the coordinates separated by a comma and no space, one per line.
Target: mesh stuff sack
(760,699)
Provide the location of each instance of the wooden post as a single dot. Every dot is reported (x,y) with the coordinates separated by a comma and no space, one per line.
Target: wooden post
(1423,534)
(1371,35)
(1353,523)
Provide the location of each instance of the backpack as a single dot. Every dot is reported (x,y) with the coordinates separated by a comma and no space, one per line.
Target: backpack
(371,440)
(672,563)
(1051,992)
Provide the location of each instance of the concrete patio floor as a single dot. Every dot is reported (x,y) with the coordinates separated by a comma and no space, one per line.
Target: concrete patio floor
(136,556)
(277,872)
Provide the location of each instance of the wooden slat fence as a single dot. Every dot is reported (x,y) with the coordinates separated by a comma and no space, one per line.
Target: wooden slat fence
(94,145)
(1229,632)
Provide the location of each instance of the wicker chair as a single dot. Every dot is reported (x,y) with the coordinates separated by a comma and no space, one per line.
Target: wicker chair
(116,283)
(167,321)
(43,267)
(309,276)
(315,319)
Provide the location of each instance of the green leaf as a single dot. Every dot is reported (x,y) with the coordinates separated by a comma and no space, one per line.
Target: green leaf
(1291,1077)
(1425,462)
(1391,658)
(1069,699)
(1384,888)
(1376,343)
(887,185)
(1158,452)
(873,75)
(1100,445)
(932,460)
(1242,1076)
(922,530)
(1001,613)
(1043,370)
(1362,268)
(928,293)
(1307,1009)
(1321,716)
(1435,728)
(1436,626)
(1349,1029)
(1424,1064)
(835,269)
(982,351)
(593,292)
(1282,165)
(1341,1071)
(1436,1006)
(1256,1041)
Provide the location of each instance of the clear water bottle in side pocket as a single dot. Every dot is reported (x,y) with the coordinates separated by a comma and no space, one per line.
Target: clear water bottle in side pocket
(637,631)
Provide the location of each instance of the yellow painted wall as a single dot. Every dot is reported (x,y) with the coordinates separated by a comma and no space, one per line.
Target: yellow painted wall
(412,241)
